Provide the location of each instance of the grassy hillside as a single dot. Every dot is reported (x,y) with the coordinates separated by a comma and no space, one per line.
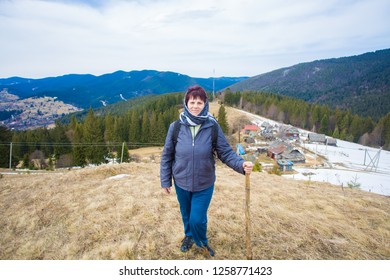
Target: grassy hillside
(93,213)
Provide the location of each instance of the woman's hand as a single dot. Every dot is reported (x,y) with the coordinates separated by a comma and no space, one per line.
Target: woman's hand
(247,166)
(167,190)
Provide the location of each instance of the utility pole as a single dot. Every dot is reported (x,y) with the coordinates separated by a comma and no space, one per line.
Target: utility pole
(10,155)
(213,83)
(123,147)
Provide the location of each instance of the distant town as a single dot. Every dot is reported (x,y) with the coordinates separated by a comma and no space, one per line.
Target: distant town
(33,112)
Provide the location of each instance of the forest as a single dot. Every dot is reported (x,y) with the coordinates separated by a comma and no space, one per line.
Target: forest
(101,136)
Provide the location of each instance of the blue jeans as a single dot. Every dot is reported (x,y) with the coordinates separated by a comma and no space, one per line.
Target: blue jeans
(193,209)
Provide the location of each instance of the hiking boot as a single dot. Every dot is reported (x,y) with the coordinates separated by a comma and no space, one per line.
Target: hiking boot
(186,243)
(207,251)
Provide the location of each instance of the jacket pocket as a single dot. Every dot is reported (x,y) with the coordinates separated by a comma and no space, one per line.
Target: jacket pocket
(206,173)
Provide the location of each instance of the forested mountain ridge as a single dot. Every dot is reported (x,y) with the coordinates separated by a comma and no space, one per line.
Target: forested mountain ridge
(360,83)
(88,90)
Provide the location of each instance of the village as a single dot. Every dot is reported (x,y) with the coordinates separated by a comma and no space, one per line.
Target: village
(281,145)
(33,112)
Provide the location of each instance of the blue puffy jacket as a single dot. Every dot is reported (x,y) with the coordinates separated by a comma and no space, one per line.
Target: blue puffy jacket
(192,166)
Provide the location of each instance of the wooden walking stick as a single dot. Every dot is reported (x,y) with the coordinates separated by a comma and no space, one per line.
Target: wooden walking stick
(248,217)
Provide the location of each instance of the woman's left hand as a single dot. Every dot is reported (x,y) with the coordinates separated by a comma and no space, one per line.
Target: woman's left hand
(247,166)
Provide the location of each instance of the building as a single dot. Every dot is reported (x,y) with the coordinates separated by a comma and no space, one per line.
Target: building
(285,165)
(289,132)
(331,141)
(250,129)
(276,149)
(316,138)
(293,155)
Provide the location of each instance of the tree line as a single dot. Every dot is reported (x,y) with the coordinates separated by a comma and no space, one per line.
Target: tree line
(94,139)
(99,137)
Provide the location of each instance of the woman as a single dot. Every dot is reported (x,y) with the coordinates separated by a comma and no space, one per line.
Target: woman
(189,160)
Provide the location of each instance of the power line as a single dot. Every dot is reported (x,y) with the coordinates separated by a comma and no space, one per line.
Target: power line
(52,144)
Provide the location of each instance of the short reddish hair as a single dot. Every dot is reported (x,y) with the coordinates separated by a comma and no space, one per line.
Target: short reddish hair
(195,92)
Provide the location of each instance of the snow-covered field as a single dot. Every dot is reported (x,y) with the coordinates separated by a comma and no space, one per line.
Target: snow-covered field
(351,163)
(347,163)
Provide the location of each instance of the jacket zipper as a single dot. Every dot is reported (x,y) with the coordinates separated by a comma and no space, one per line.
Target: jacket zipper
(193,160)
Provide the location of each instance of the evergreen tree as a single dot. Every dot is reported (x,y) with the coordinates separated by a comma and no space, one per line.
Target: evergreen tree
(153,132)
(324,125)
(20,148)
(344,123)
(5,145)
(160,129)
(336,133)
(26,161)
(355,128)
(121,129)
(78,149)
(95,150)
(145,127)
(315,117)
(73,122)
(135,128)
(385,121)
(109,129)
(343,134)
(126,156)
(222,120)
(60,137)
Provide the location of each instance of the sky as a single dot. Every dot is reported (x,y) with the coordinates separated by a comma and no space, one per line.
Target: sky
(199,38)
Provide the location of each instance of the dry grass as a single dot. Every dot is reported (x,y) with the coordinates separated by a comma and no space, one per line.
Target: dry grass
(86,214)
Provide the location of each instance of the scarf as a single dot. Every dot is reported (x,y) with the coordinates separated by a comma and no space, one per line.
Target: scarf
(191,120)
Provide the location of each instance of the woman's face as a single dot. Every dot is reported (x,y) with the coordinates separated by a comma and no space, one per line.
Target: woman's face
(195,106)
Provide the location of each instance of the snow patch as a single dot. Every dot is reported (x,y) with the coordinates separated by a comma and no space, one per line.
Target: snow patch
(119,176)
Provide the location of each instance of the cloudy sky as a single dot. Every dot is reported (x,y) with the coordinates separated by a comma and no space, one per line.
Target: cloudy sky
(199,38)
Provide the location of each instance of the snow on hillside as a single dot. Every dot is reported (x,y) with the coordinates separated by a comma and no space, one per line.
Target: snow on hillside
(347,163)
(351,163)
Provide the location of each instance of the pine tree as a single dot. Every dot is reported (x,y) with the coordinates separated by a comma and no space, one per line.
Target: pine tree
(73,123)
(324,125)
(95,150)
(160,129)
(336,133)
(60,137)
(355,128)
(145,127)
(134,129)
(5,138)
(315,117)
(78,149)
(345,121)
(126,156)
(222,120)
(386,131)
(153,129)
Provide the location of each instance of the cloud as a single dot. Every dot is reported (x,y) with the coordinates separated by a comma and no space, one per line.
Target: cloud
(236,38)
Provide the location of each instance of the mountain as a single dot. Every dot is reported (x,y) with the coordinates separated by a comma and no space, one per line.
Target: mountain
(89,90)
(360,83)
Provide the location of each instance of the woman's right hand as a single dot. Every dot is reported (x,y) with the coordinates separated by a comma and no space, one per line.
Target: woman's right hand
(167,190)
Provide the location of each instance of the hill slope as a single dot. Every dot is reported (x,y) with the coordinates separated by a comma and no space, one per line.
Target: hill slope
(360,83)
(119,212)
